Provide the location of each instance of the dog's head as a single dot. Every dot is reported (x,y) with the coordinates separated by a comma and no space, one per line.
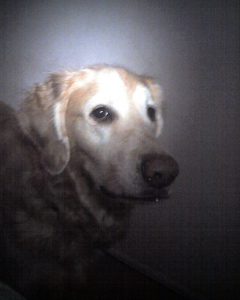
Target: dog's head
(106,122)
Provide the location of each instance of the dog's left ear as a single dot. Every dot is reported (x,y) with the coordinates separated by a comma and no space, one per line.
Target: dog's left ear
(42,118)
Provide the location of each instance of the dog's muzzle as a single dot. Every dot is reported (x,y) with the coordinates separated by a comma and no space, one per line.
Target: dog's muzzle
(158,172)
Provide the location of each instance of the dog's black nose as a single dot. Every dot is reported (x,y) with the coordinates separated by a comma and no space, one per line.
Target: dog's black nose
(158,170)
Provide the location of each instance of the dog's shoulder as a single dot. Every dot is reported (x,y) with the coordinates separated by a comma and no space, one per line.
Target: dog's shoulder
(7,114)
(17,153)
(13,140)
(9,124)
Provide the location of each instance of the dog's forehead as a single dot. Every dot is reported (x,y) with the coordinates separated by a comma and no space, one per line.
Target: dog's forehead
(121,91)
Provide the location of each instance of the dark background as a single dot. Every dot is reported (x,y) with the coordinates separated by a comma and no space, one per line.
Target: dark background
(191,241)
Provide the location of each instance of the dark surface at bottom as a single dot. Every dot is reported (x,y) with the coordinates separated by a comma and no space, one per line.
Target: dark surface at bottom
(114,280)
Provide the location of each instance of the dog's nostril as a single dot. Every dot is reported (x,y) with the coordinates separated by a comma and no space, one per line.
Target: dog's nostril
(159,170)
(156,176)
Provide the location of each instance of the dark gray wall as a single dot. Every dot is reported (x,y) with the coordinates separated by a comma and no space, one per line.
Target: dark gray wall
(193,239)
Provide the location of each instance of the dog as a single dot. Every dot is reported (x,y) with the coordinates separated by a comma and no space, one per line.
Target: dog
(82,150)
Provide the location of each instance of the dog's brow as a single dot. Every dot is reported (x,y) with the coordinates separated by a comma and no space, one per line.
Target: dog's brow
(112,91)
(142,98)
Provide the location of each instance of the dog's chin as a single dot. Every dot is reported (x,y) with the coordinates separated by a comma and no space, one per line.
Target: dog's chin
(144,197)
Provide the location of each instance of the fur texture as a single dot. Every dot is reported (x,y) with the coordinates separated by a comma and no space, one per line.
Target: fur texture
(69,176)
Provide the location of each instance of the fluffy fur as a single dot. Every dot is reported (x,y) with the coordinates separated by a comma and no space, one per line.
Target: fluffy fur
(69,179)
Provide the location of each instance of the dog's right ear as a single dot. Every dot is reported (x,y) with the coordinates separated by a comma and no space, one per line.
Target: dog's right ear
(42,118)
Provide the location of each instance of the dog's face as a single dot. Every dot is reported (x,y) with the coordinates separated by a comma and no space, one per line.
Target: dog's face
(107,122)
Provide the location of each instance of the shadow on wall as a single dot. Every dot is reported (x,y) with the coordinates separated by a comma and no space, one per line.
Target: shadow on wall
(193,49)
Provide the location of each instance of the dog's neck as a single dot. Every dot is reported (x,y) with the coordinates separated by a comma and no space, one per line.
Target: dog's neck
(108,216)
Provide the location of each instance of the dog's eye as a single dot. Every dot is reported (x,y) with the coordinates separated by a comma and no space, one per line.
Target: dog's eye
(102,114)
(151,112)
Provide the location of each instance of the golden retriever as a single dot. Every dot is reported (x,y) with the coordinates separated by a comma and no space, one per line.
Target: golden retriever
(81,151)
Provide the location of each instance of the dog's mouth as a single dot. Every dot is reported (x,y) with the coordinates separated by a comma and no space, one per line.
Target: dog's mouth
(153,197)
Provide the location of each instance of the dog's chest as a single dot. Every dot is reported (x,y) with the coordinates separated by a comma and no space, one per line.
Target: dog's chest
(73,219)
